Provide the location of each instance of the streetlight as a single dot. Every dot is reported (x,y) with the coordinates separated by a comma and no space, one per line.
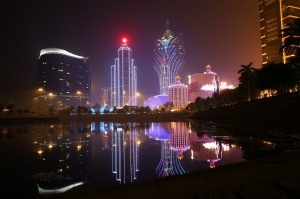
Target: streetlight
(137,96)
(41,90)
(50,96)
(79,93)
(35,104)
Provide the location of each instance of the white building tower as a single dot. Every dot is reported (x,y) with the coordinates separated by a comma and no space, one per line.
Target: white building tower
(123,78)
(178,94)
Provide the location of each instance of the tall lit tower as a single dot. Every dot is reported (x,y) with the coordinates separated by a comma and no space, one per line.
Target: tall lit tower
(274,16)
(123,78)
(168,58)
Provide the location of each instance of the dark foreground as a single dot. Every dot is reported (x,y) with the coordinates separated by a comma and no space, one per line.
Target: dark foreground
(271,177)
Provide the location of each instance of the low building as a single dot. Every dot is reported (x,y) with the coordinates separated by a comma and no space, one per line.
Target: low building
(178,94)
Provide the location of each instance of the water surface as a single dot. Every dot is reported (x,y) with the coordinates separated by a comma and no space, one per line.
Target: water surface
(39,159)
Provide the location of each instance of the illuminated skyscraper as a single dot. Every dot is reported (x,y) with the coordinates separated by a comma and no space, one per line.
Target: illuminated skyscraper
(123,78)
(63,78)
(168,58)
(274,16)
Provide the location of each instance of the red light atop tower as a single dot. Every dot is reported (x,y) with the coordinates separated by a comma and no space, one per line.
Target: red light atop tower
(124,40)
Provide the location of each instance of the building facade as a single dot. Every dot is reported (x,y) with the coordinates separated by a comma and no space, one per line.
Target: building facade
(123,78)
(203,84)
(274,16)
(104,101)
(63,79)
(178,94)
(168,58)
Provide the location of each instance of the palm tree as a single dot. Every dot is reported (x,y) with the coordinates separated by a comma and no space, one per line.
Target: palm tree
(291,35)
(246,73)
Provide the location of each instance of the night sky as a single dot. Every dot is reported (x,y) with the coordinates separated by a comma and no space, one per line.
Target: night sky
(221,33)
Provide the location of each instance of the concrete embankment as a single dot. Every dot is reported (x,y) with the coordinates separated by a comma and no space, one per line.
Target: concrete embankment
(159,117)
(26,119)
(274,114)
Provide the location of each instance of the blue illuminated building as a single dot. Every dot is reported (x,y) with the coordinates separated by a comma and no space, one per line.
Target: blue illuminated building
(168,58)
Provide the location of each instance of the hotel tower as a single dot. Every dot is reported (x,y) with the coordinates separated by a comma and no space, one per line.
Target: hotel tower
(123,78)
(274,16)
(168,58)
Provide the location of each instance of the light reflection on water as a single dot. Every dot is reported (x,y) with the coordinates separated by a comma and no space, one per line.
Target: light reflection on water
(57,156)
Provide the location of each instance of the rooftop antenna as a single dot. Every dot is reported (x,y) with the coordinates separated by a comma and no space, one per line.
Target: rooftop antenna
(167,22)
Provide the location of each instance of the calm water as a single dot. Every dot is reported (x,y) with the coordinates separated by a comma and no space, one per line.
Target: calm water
(61,157)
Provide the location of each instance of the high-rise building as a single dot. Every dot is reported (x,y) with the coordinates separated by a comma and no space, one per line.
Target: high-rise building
(63,79)
(178,94)
(274,16)
(104,101)
(168,58)
(123,78)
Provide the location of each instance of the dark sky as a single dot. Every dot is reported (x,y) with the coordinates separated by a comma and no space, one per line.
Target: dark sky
(221,33)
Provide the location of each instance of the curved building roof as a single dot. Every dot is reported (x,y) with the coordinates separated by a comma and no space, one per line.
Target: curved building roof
(156,101)
(158,131)
(61,52)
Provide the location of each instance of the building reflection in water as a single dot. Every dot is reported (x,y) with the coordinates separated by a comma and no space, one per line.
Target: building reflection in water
(169,163)
(125,159)
(63,156)
(103,128)
(207,148)
(180,138)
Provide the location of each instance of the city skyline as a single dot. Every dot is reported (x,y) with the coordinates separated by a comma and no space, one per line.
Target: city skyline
(95,30)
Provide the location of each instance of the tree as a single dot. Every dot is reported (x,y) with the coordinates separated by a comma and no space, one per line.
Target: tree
(276,76)
(291,35)
(10,107)
(247,74)
(147,109)
(51,110)
(1,107)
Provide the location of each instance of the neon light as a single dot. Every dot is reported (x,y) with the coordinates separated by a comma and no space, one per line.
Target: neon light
(123,79)
(124,40)
(59,51)
(169,53)
(58,190)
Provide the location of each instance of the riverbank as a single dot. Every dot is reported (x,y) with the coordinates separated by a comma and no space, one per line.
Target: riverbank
(29,119)
(156,117)
(271,177)
(275,115)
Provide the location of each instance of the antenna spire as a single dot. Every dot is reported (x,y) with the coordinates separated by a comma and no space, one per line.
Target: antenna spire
(167,22)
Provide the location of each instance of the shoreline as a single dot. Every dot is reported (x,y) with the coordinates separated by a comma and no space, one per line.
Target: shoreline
(269,177)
